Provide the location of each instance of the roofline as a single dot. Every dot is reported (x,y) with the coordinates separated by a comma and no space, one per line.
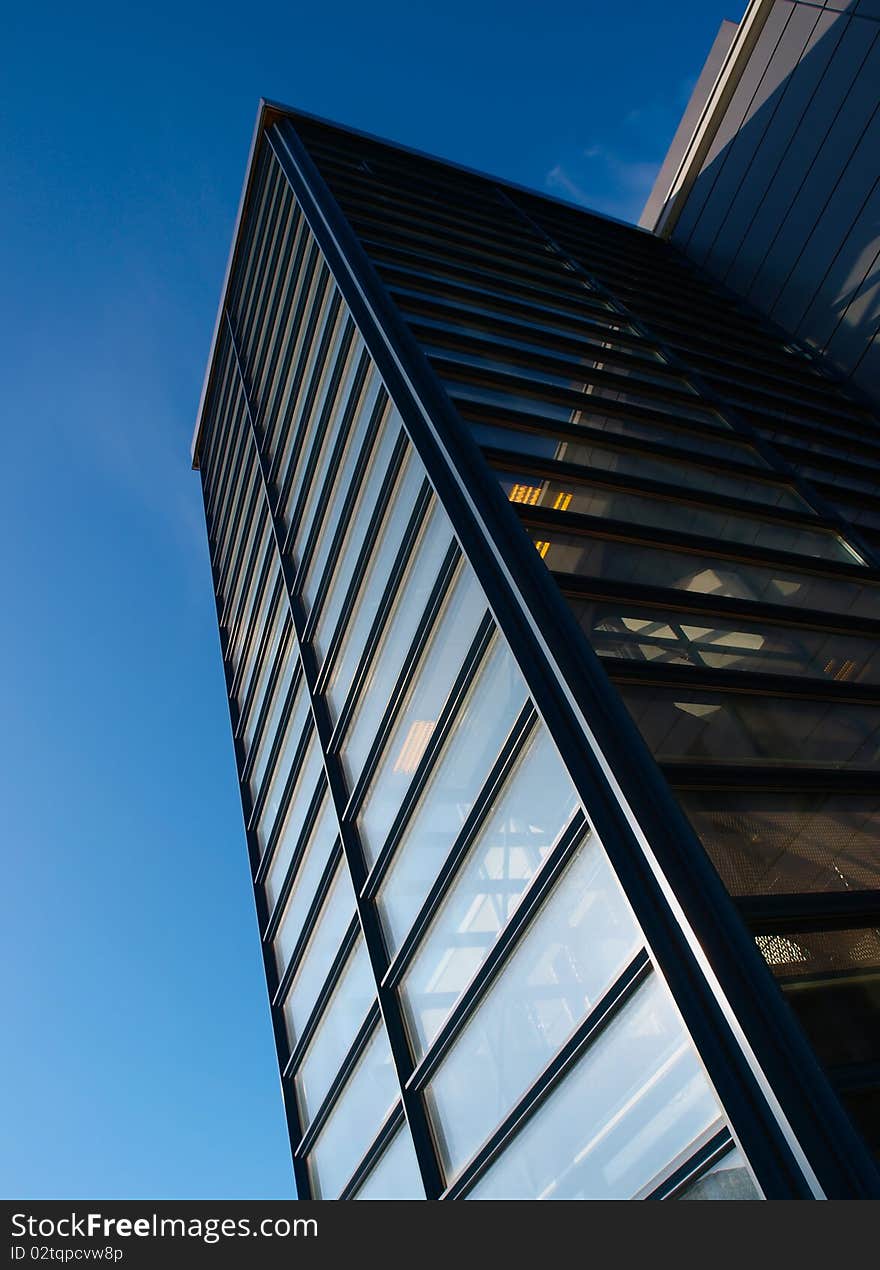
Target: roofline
(707,125)
(267,112)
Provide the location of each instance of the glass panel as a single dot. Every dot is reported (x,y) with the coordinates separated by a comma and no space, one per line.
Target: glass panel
(396,1175)
(728,1179)
(831,979)
(639,509)
(310,772)
(576,946)
(596,456)
(640,633)
(329,516)
(336,353)
(332,922)
(440,663)
(398,634)
(713,727)
(397,515)
(634,1102)
(596,557)
(300,369)
(325,446)
(535,805)
(338,1026)
(480,729)
(308,874)
(293,731)
(363,1105)
(788,842)
(266,666)
(269,730)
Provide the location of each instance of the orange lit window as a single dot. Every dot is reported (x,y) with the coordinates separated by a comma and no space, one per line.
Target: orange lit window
(542,548)
(560,503)
(525,494)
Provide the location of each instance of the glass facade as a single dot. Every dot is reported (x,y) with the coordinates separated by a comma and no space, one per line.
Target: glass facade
(471,996)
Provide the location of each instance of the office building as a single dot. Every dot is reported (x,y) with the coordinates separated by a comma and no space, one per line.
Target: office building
(555,691)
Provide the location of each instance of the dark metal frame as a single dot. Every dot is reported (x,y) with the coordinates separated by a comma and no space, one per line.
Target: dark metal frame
(691,925)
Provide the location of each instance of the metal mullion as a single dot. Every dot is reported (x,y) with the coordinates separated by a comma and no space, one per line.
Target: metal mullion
(528,261)
(463,298)
(315,305)
(790,1125)
(244,303)
(406,679)
(739,424)
(686,495)
(426,765)
(501,769)
(368,919)
(331,379)
(295,322)
(763,684)
(265,179)
(221,477)
(275,285)
(696,1166)
(797,432)
(248,583)
(537,890)
(790,779)
(687,604)
(406,554)
(254,314)
(599,1017)
(579,523)
(279,308)
(237,522)
(532,284)
(823,404)
(263,644)
(290,784)
(219,435)
(242,626)
(290,880)
(645,376)
(362,563)
(331,318)
(234,479)
(521,247)
(393,1122)
(287,651)
(300,1173)
(519,422)
(788,913)
(353,1055)
(381,415)
(348,415)
(297,961)
(504,332)
(765,418)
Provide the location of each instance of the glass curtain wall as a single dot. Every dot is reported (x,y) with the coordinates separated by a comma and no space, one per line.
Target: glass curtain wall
(706,500)
(450,956)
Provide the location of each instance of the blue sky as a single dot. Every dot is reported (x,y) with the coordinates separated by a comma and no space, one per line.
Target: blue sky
(138,1059)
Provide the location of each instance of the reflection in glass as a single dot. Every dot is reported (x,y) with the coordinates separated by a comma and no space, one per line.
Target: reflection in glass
(398,634)
(634,1102)
(305,884)
(534,807)
(310,772)
(730,1178)
(680,725)
(337,1028)
(333,921)
(596,557)
(356,1119)
(396,1174)
(576,946)
(440,663)
(293,734)
(481,727)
